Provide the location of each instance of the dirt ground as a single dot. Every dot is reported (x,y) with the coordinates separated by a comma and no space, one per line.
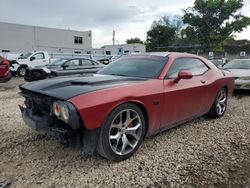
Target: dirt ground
(201,153)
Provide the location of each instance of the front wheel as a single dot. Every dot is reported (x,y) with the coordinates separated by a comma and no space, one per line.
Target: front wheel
(122,133)
(220,104)
(21,71)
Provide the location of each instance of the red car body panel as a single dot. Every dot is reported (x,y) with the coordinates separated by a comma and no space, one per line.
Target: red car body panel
(4,67)
(164,102)
(5,74)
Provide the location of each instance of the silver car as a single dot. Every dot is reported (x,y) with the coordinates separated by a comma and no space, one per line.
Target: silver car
(241,71)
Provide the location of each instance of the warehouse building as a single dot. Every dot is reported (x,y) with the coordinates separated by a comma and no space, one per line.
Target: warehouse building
(23,38)
(120,49)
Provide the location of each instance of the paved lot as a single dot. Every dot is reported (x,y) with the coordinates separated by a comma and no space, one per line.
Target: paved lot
(203,152)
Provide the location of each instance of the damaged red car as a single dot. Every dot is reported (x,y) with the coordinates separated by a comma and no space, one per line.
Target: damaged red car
(111,112)
(5,74)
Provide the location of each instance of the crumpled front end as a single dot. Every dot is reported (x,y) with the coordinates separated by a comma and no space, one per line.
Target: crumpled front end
(35,74)
(37,113)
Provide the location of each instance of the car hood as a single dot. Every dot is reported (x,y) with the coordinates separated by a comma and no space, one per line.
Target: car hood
(240,72)
(65,88)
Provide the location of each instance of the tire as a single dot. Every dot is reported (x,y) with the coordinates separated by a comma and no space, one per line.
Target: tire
(21,71)
(120,136)
(220,104)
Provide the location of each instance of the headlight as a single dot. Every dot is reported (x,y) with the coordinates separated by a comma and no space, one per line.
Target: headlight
(56,109)
(65,112)
(61,111)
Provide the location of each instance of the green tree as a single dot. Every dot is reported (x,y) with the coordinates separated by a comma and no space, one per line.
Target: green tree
(163,33)
(214,21)
(134,40)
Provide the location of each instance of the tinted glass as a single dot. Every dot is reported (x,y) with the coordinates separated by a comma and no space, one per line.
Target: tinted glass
(58,62)
(238,64)
(195,66)
(217,62)
(136,66)
(72,63)
(86,62)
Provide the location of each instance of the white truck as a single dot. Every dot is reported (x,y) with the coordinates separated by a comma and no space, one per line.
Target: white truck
(30,59)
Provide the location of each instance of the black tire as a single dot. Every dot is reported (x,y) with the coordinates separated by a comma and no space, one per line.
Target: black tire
(214,111)
(104,145)
(21,71)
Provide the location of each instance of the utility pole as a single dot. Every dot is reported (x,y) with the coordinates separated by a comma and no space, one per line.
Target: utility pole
(113,37)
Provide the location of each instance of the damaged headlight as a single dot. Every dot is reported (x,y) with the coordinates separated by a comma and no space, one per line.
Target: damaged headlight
(61,111)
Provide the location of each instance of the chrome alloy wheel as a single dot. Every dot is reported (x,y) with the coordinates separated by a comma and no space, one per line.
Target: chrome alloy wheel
(221,102)
(125,132)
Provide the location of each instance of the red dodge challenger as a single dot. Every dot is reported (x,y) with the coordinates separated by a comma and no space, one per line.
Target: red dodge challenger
(111,112)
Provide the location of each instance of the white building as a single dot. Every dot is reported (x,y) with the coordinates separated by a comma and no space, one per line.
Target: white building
(23,38)
(120,49)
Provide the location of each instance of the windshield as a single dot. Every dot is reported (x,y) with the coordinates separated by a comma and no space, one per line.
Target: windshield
(136,66)
(238,64)
(57,62)
(25,56)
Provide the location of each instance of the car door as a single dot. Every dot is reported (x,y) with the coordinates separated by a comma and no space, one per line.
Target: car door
(38,59)
(89,66)
(69,67)
(183,99)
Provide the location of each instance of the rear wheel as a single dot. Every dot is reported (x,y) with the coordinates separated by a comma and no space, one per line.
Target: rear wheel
(220,104)
(122,133)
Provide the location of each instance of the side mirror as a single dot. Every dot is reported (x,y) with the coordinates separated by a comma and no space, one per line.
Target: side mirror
(183,75)
(32,58)
(65,66)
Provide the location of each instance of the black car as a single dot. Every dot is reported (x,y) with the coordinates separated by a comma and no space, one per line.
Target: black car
(63,67)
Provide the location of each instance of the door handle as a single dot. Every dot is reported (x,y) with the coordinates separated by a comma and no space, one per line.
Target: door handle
(203,81)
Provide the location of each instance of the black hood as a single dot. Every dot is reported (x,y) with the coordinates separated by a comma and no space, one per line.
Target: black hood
(67,87)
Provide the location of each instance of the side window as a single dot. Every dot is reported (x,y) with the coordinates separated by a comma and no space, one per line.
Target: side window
(195,66)
(86,62)
(39,56)
(73,62)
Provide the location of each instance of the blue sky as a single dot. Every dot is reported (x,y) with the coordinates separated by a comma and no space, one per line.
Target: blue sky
(130,18)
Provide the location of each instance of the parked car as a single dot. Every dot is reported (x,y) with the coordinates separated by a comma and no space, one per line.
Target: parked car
(135,97)
(63,67)
(5,74)
(241,71)
(219,62)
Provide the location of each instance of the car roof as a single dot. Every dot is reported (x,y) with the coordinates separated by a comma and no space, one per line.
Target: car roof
(166,54)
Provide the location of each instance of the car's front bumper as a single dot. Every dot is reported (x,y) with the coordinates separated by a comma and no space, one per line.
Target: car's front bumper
(242,84)
(35,122)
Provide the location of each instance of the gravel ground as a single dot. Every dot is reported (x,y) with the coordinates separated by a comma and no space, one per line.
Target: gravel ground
(204,152)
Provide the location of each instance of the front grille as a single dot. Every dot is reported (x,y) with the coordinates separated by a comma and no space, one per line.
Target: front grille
(40,104)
